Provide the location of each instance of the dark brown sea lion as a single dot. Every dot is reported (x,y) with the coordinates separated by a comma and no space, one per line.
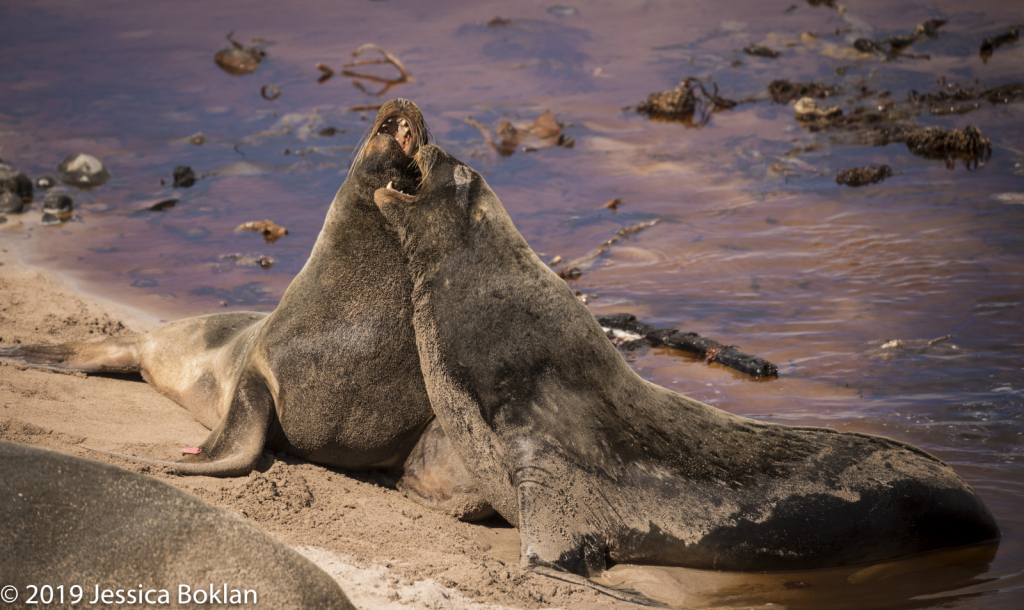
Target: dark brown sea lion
(118,535)
(595,465)
(332,375)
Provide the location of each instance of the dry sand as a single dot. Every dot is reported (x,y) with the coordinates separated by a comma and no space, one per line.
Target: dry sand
(384,550)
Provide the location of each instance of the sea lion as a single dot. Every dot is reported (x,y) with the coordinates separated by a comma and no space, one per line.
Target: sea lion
(68,521)
(595,465)
(332,374)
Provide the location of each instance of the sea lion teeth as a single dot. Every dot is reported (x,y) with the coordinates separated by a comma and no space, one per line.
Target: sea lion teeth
(590,461)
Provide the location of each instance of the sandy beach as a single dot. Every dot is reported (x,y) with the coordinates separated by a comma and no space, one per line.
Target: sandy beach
(384,550)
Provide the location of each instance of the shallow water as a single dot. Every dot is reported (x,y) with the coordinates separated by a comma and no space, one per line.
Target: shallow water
(757,245)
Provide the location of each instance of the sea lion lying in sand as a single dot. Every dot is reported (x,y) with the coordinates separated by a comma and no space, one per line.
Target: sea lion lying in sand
(595,465)
(68,521)
(331,375)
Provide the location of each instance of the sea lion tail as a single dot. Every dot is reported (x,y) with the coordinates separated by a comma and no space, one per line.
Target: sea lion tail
(109,355)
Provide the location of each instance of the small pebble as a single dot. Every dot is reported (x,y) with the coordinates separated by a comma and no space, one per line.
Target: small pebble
(82,170)
(45,183)
(197,138)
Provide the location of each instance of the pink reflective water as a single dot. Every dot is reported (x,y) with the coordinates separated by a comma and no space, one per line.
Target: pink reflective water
(843,288)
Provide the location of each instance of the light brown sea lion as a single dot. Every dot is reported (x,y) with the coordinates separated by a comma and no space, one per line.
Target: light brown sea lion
(595,465)
(118,535)
(331,375)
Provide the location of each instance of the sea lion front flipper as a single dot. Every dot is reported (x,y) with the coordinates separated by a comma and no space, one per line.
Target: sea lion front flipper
(625,595)
(550,546)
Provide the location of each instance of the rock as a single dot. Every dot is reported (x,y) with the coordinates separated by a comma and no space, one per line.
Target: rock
(10,203)
(16,182)
(237,59)
(197,138)
(45,183)
(57,208)
(808,110)
(82,170)
(183,176)
(58,203)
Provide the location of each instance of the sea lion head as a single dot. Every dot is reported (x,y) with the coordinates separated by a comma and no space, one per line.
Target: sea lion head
(388,150)
(452,209)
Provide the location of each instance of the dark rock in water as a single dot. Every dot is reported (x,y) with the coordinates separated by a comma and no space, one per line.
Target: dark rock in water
(862,176)
(183,176)
(783,91)
(197,138)
(759,51)
(82,170)
(57,208)
(58,203)
(10,203)
(967,144)
(45,183)
(3,219)
(237,59)
(16,182)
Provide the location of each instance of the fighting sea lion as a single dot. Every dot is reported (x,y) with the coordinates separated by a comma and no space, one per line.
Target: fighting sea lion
(595,465)
(332,374)
(115,534)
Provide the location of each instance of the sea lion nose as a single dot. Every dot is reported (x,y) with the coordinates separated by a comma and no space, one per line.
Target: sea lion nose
(383,143)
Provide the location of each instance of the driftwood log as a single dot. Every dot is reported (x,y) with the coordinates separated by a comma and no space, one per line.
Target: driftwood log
(710,351)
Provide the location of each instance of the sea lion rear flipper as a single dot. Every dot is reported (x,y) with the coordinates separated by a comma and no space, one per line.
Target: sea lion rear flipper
(110,355)
(235,445)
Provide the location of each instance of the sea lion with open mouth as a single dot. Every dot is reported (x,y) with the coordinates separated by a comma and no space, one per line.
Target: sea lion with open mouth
(595,465)
(332,375)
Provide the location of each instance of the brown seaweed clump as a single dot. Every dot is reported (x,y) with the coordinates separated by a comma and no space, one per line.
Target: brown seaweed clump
(967,145)
(862,176)
(690,99)
(270,230)
(784,91)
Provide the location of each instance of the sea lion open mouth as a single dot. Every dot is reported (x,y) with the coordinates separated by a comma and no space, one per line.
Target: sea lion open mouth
(403,121)
(399,127)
